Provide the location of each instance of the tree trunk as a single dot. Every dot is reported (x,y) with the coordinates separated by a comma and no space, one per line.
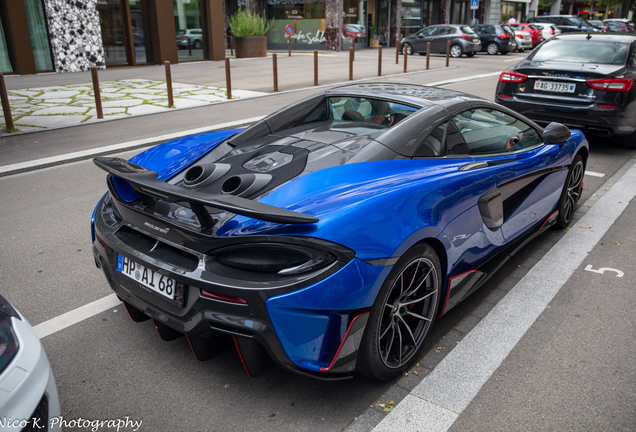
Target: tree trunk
(332,16)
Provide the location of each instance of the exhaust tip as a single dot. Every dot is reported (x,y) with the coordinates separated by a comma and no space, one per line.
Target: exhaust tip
(201,175)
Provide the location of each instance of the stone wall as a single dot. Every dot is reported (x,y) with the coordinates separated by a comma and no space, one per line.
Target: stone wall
(76,38)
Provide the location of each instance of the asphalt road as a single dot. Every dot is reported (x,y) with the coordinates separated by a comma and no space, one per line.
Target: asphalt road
(110,367)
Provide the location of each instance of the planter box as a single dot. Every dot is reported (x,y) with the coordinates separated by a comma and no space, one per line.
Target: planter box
(374,43)
(253,46)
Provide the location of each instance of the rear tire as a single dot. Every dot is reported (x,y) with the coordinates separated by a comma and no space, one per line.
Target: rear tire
(492,48)
(456,51)
(627,141)
(571,193)
(402,316)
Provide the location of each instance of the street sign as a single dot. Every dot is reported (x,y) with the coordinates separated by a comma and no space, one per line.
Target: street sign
(474,4)
(289,29)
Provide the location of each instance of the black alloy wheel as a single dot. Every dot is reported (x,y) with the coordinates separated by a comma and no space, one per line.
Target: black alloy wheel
(402,315)
(571,192)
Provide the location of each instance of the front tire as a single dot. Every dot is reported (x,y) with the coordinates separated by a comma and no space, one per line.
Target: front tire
(402,315)
(456,51)
(492,48)
(571,193)
(408,48)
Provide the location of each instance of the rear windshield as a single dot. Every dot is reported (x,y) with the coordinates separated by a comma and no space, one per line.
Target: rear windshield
(363,112)
(507,29)
(467,30)
(582,51)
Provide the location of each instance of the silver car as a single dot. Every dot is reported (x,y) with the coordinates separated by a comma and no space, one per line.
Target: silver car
(28,395)
(524,40)
(462,38)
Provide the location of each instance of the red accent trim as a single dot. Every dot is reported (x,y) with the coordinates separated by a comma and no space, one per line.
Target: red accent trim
(607,106)
(554,213)
(441,312)
(241,357)
(504,96)
(189,343)
(101,241)
(223,297)
(342,343)
(155,324)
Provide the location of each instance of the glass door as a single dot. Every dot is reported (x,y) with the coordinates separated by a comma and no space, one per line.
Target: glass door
(139,18)
(117,23)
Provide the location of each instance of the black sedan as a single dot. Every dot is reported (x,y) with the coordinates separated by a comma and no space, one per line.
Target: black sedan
(585,81)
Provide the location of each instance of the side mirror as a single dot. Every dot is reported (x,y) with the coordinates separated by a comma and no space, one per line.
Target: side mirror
(556,133)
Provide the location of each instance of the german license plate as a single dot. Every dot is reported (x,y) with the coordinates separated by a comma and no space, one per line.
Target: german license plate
(556,87)
(149,278)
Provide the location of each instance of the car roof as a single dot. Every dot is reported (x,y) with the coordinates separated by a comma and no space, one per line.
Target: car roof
(608,37)
(411,94)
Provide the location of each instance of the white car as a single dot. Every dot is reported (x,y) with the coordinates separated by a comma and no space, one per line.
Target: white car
(548,30)
(524,40)
(28,395)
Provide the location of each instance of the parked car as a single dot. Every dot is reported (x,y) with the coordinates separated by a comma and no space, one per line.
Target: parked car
(565,23)
(583,81)
(190,38)
(462,38)
(618,27)
(28,393)
(329,236)
(548,30)
(524,40)
(535,32)
(629,26)
(496,38)
(355,32)
(598,24)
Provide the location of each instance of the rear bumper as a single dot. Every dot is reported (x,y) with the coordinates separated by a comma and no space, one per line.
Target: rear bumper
(588,117)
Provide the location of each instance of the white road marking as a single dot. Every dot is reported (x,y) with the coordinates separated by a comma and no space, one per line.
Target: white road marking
(76,315)
(594,174)
(440,398)
(54,160)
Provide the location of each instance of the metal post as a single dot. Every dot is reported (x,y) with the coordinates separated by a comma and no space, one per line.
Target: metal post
(275,72)
(406,56)
(380,60)
(6,109)
(98,96)
(315,67)
(350,64)
(228,79)
(447,52)
(289,39)
(169,84)
(189,47)
(232,46)
(428,55)
(397,51)
(353,46)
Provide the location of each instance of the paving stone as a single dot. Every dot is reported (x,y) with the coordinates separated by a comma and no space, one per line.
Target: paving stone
(107,111)
(147,96)
(209,98)
(27,93)
(207,92)
(185,103)
(58,94)
(60,110)
(122,103)
(146,109)
(17,98)
(61,101)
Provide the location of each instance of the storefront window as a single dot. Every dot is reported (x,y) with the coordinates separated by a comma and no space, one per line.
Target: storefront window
(411,17)
(383,22)
(306,18)
(512,9)
(354,16)
(112,25)
(462,13)
(5,60)
(39,35)
(187,19)
(141,30)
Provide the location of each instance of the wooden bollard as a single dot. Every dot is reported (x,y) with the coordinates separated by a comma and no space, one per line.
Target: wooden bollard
(275,62)
(6,109)
(406,56)
(350,64)
(98,95)
(428,55)
(447,52)
(169,84)
(353,46)
(232,46)
(228,79)
(189,47)
(397,50)
(315,67)
(380,60)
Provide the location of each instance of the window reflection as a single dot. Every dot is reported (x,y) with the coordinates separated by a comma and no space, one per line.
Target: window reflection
(187,19)
(5,60)
(39,35)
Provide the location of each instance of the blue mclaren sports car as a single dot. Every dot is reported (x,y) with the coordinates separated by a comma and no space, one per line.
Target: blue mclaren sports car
(328,237)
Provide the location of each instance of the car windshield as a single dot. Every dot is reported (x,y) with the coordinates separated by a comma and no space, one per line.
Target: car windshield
(467,30)
(181,32)
(507,29)
(363,112)
(582,51)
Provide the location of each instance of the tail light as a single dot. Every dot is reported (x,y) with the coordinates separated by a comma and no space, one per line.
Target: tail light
(552,32)
(606,28)
(465,37)
(612,84)
(519,36)
(505,36)
(512,77)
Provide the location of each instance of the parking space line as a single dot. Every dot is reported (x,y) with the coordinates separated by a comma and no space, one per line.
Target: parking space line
(594,174)
(439,399)
(75,316)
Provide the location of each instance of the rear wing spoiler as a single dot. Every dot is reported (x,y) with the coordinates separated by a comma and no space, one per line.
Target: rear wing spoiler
(149,188)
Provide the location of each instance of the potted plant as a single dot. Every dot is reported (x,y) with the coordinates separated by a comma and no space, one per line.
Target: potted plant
(249,32)
(373,41)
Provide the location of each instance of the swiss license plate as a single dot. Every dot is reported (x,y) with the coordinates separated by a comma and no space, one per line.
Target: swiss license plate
(149,278)
(556,87)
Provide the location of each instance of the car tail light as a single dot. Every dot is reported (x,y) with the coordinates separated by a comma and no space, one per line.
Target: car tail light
(612,84)
(505,36)
(504,96)
(552,31)
(607,106)
(222,297)
(465,37)
(512,77)
(519,36)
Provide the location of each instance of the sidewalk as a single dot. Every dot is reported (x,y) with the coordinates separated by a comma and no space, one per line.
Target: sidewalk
(48,101)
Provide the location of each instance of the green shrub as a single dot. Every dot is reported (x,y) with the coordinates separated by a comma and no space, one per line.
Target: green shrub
(243,24)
